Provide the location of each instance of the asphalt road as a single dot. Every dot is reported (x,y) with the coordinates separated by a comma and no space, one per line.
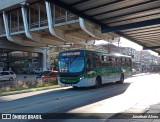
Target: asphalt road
(136,94)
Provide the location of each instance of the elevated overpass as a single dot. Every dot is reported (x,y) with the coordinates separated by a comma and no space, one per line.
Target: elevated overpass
(136,20)
(32,25)
(35,24)
(40,23)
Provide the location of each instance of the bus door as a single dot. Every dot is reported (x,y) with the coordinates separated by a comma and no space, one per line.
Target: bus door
(89,62)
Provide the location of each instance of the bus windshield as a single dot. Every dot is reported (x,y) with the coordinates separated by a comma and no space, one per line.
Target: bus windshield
(71,64)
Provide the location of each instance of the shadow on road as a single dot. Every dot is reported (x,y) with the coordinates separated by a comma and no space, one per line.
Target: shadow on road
(120,89)
(63,115)
(93,95)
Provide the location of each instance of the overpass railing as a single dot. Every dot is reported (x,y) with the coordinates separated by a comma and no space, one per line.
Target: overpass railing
(36,17)
(2,29)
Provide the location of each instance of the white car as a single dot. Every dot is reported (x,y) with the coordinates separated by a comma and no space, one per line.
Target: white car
(7,75)
(37,70)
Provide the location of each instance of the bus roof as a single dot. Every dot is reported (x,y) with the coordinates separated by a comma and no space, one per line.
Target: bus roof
(99,51)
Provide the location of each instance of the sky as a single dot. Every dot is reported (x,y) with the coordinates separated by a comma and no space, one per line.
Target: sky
(126,43)
(123,43)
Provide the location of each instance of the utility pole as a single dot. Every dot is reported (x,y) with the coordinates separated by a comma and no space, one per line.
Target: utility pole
(141,61)
(118,45)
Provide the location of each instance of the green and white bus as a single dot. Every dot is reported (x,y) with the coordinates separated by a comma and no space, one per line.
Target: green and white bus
(84,68)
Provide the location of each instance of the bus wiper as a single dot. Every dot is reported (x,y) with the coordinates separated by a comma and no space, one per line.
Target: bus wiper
(73,60)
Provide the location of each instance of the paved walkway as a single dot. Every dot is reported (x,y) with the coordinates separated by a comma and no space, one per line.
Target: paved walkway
(138,113)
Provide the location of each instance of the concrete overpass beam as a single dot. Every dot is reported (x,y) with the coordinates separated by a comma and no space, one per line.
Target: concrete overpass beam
(35,37)
(46,40)
(4,44)
(26,26)
(5,4)
(50,23)
(60,34)
(5,19)
(92,30)
(84,28)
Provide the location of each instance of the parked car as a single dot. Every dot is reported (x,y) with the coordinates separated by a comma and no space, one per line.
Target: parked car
(50,75)
(47,74)
(39,76)
(7,75)
(37,70)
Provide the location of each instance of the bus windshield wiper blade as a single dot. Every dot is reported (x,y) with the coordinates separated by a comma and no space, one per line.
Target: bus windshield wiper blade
(73,60)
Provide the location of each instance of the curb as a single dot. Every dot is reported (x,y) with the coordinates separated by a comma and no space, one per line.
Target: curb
(27,91)
(140,74)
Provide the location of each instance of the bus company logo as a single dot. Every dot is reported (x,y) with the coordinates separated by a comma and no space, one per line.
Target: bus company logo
(6,116)
(19,116)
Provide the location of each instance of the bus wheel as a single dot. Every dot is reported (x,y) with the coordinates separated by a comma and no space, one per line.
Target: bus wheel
(121,79)
(75,87)
(98,82)
(10,79)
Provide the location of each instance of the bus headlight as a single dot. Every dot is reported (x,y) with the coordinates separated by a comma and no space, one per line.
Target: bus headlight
(81,78)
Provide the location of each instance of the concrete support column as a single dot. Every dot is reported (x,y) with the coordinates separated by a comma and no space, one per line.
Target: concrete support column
(8,61)
(30,55)
(48,59)
(30,65)
(40,60)
(44,59)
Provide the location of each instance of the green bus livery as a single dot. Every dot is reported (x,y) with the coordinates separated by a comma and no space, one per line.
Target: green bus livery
(84,68)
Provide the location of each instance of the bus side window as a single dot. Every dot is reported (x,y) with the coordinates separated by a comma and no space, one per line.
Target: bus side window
(118,61)
(96,59)
(127,61)
(107,61)
(90,62)
(113,61)
(130,62)
(102,57)
(123,61)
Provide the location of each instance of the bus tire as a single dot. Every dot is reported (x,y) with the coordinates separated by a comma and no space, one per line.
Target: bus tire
(121,79)
(75,87)
(98,82)
(10,79)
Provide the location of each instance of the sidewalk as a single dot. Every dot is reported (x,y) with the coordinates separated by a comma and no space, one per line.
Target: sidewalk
(141,74)
(138,113)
